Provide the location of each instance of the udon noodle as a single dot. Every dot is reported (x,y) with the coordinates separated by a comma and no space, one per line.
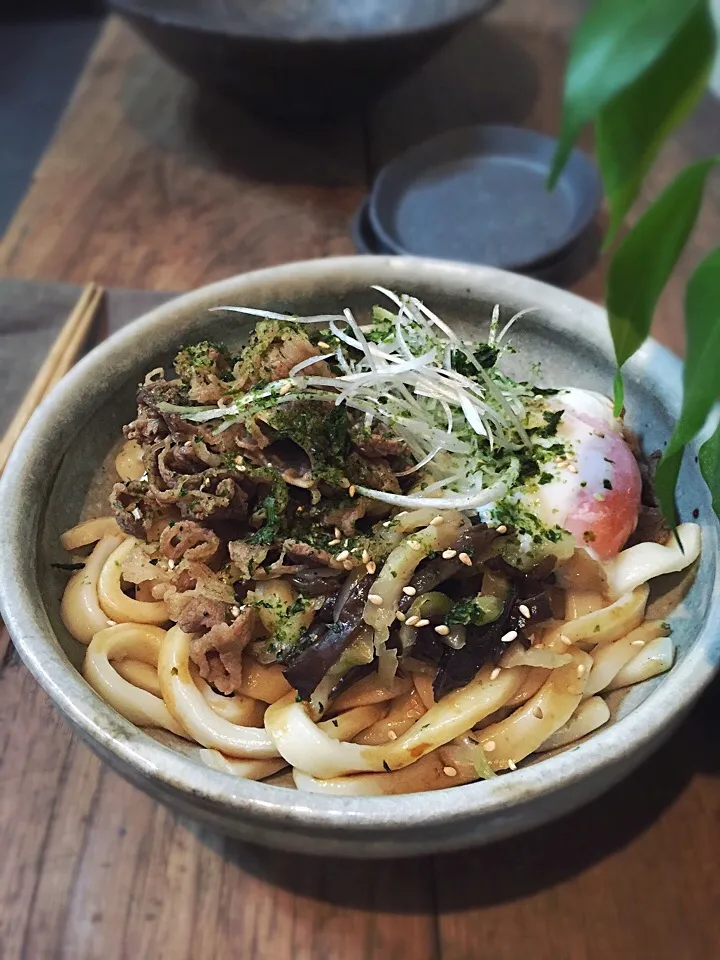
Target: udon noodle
(370,556)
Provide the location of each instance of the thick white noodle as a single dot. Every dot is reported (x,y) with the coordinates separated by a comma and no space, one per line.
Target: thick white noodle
(349,724)
(653,659)
(645,561)
(610,658)
(141,642)
(80,610)
(523,731)
(403,713)
(601,626)
(247,769)
(591,714)
(370,690)
(90,531)
(308,748)
(190,708)
(139,674)
(129,461)
(429,773)
(237,709)
(115,603)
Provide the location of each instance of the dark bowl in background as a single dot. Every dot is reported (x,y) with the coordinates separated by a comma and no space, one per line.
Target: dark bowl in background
(299,59)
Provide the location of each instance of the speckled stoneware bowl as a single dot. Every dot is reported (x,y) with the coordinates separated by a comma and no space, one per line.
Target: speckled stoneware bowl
(49,475)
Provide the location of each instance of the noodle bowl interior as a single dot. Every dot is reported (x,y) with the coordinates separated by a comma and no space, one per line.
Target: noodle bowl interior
(359,553)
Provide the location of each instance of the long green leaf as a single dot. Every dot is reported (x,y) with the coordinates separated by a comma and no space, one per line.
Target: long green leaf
(710,467)
(632,127)
(701,378)
(643,262)
(615,43)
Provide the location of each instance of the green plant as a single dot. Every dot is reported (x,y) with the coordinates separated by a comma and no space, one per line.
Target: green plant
(637,68)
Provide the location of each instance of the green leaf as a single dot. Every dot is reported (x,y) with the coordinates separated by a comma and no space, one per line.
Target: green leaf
(710,467)
(615,44)
(632,127)
(701,383)
(642,264)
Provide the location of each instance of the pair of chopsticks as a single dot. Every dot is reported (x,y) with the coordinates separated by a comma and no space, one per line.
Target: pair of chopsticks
(63,354)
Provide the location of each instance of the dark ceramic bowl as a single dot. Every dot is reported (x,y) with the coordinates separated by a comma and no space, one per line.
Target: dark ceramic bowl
(299,59)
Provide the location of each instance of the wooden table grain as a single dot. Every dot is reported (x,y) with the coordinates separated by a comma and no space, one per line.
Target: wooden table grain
(148,185)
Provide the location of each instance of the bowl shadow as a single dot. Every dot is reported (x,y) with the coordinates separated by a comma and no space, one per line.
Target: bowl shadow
(509,869)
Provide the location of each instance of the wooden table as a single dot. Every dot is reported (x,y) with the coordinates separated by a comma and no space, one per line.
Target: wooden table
(146,185)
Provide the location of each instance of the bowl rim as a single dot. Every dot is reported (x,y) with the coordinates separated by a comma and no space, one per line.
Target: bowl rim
(264,804)
(179,20)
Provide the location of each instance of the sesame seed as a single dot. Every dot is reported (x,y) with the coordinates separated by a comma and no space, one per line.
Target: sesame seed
(489,746)
(524,610)
(371,566)
(352,490)
(422,623)
(411,621)
(323,345)
(442,629)
(136,513)
(537,712)
(414,545)
(449,554)
(566,640)
(580,669)
(450,771)
(436,521)
(338,534)
(299,509)
(235,611)
(375,599)
(495,673)
(637,643)
(392,735)
(409,591)
(334,543)
(512,765)
(365,556)
(285,388)
(502,528)
(348,564)
(599,497)
(464,558)
(509,636)
(343,555)
(401,616)
(572,468)
(171,564)
(387,523)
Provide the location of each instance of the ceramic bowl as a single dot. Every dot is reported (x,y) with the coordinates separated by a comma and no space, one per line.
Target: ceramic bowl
(49,478)
(299,60)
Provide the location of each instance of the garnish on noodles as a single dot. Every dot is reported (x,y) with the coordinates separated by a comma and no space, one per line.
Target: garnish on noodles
(358,548)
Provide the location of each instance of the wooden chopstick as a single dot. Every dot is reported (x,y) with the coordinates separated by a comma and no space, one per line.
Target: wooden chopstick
(63,354)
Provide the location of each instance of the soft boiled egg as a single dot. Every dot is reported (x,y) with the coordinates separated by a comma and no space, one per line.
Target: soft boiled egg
(595,488)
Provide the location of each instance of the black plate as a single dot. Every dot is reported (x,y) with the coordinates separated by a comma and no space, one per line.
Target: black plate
(562,270)
(479,194)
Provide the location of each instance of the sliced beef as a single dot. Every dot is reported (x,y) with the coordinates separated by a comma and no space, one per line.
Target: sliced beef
(273,350)
(200,615)
(346,514)
(218,653)
(317,555)
(378,442)
(247,557)
(190,541)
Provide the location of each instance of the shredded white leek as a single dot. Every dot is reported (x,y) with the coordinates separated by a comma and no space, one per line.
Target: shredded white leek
(465,433)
